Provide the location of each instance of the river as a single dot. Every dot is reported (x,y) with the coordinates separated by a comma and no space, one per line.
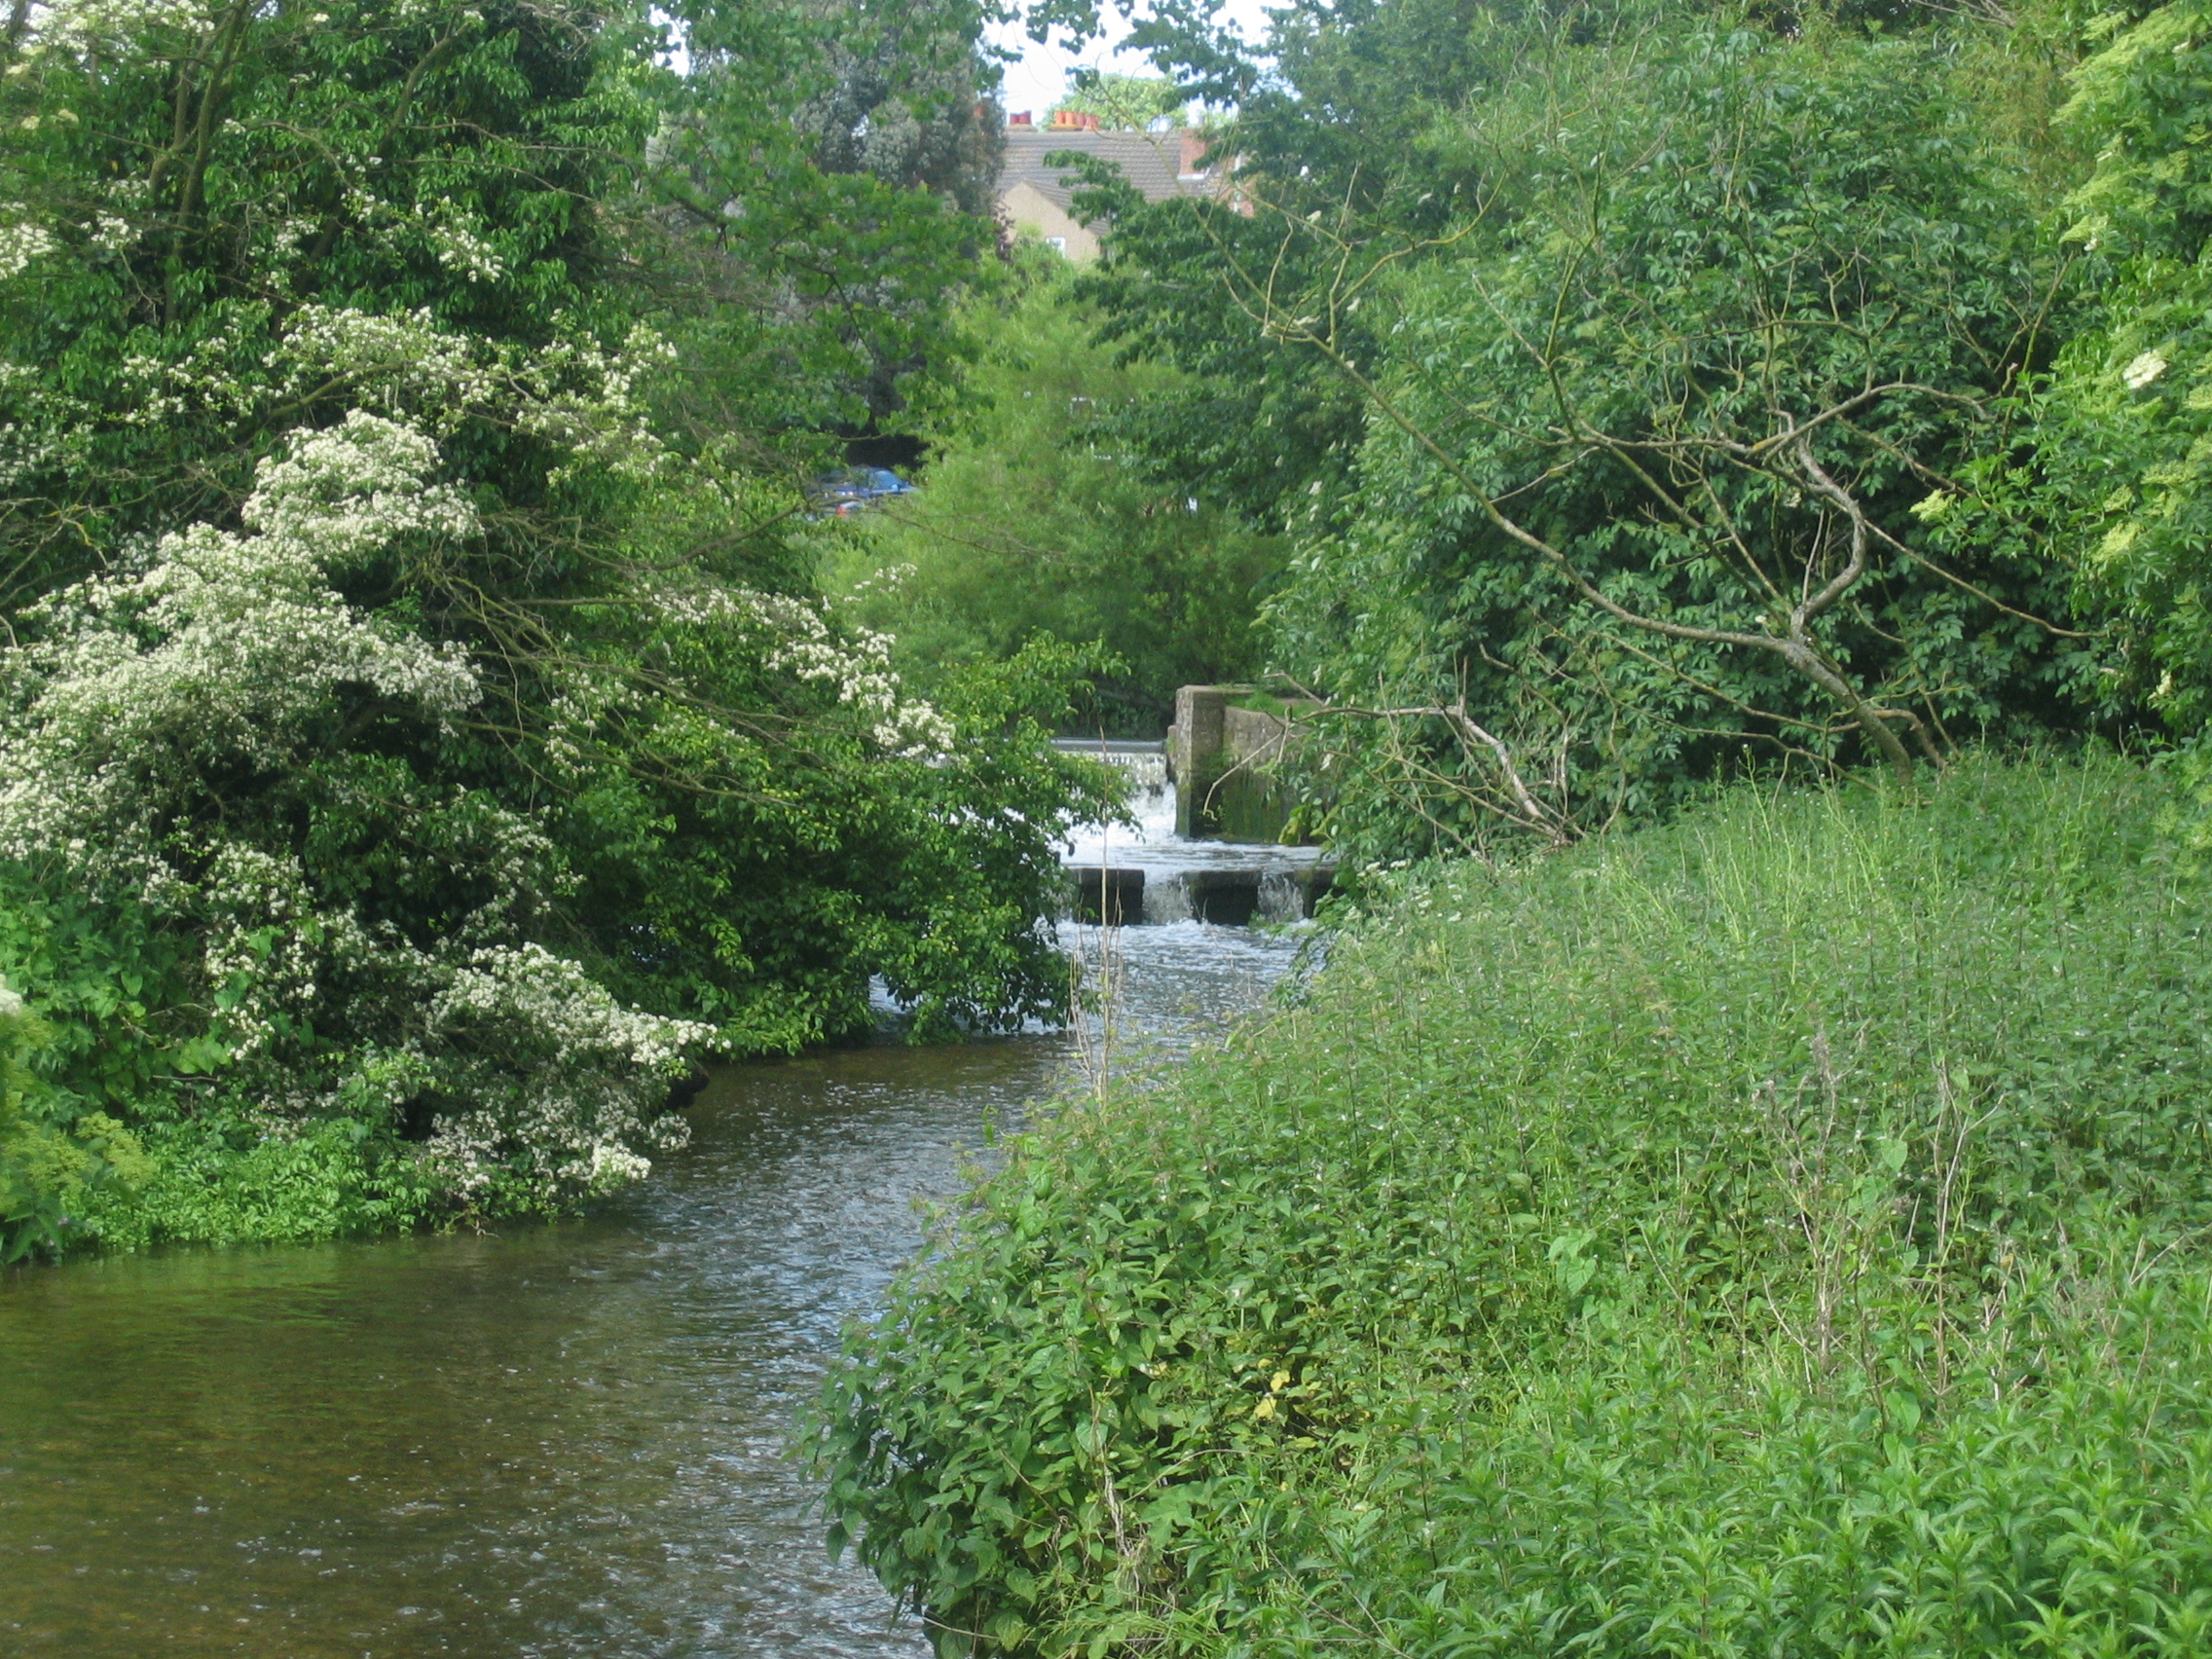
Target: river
(561,1440)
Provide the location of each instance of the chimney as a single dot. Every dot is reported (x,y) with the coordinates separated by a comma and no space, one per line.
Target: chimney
(1191,161)
(1021,119)
(1073,121)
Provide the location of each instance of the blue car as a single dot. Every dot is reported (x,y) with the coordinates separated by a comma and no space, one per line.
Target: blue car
(855,488)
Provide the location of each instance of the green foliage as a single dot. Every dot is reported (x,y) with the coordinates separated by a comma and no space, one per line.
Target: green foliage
(1031,523)
(764,905)
(1783,1232)
(859,148)
(1580,351)
(1710,367)
(1632,1508)
(53,1161)
(2109,463)
(1342,115)
(422,730)
(109,982)
(1124,103)
(220,1180)
(203,195)
(1627,362)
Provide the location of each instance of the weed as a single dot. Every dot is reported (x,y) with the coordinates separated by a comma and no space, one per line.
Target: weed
(1780,1233)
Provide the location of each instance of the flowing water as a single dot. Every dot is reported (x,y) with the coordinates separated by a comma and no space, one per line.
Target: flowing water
(565,1440)
(1179,876)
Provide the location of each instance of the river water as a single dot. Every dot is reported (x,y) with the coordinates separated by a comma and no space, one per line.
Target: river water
(564,1440)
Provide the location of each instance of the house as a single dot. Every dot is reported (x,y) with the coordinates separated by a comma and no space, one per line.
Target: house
(1034,196)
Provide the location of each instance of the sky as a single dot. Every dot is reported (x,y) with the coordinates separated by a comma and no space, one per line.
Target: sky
(1040,79)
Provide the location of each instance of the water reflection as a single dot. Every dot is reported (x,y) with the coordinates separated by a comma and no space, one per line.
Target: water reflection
(564,1440)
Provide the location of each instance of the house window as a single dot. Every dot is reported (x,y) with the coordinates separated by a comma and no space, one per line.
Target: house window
(1058,245)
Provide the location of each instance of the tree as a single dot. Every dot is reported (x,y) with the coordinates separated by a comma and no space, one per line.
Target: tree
(1032,523)
(1682,324)
(1339,113)
(418,717)
(1124,103)
(840,162)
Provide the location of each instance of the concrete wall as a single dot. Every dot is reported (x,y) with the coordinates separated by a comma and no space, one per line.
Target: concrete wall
(1226,898)
(1225,759)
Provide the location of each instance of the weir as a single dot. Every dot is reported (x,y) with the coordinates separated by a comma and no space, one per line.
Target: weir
(1225,750)
(1152,874)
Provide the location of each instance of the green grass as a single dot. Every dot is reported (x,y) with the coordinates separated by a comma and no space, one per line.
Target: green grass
(1782,1234)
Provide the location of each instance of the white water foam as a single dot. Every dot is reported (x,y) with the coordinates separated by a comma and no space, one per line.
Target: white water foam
(1177,871)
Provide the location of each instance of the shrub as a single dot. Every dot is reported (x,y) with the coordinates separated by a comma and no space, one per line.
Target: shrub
(226,1180)
(52,1160)
(1758,1234)
(418,738)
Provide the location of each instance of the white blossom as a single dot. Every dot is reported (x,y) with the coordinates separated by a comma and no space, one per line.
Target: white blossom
(75,28)
(589,1097)
(20,244)
(396,363)
(459,248)
(799,642)
(223,644)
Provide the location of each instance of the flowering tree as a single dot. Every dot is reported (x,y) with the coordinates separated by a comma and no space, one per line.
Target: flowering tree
(223,662)
(414,712)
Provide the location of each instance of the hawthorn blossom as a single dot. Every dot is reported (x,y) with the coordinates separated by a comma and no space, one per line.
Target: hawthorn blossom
(799,642)
(20,244)
(77,27)
(2147,367)
(224,648)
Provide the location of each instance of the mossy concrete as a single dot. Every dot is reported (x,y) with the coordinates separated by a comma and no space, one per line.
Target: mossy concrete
(1226,746)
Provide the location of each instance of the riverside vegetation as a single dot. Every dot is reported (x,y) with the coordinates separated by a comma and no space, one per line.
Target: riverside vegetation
(1033,524)
(430,720)
(421,734)
(1732,483)
(1780,1233)
(1686,1216)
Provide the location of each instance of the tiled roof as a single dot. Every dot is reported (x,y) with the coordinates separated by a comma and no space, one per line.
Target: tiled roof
(1148,160)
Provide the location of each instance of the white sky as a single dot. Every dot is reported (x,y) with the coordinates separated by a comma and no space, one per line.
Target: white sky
(1040,79)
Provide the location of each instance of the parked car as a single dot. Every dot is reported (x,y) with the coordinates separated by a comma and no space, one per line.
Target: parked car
(855,488)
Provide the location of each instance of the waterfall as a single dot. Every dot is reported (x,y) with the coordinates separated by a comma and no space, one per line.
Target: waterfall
(1122,874)
(1152,797)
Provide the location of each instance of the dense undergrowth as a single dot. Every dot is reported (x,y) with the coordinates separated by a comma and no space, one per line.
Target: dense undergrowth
(1781,1233)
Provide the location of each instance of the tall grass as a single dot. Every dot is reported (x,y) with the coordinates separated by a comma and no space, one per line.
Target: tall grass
(1780,1233)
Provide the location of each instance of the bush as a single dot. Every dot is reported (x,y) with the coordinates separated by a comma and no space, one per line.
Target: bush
(418,739)
(1741,234)
(227,1181)
(51,1159)
(1766,1233)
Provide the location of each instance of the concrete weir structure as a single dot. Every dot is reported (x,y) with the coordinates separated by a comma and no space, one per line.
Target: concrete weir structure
(1226,898)
(1223,750)
(1151,873)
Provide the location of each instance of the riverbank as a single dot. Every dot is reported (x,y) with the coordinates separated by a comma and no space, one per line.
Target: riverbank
(1780,1233)
(563,1439)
